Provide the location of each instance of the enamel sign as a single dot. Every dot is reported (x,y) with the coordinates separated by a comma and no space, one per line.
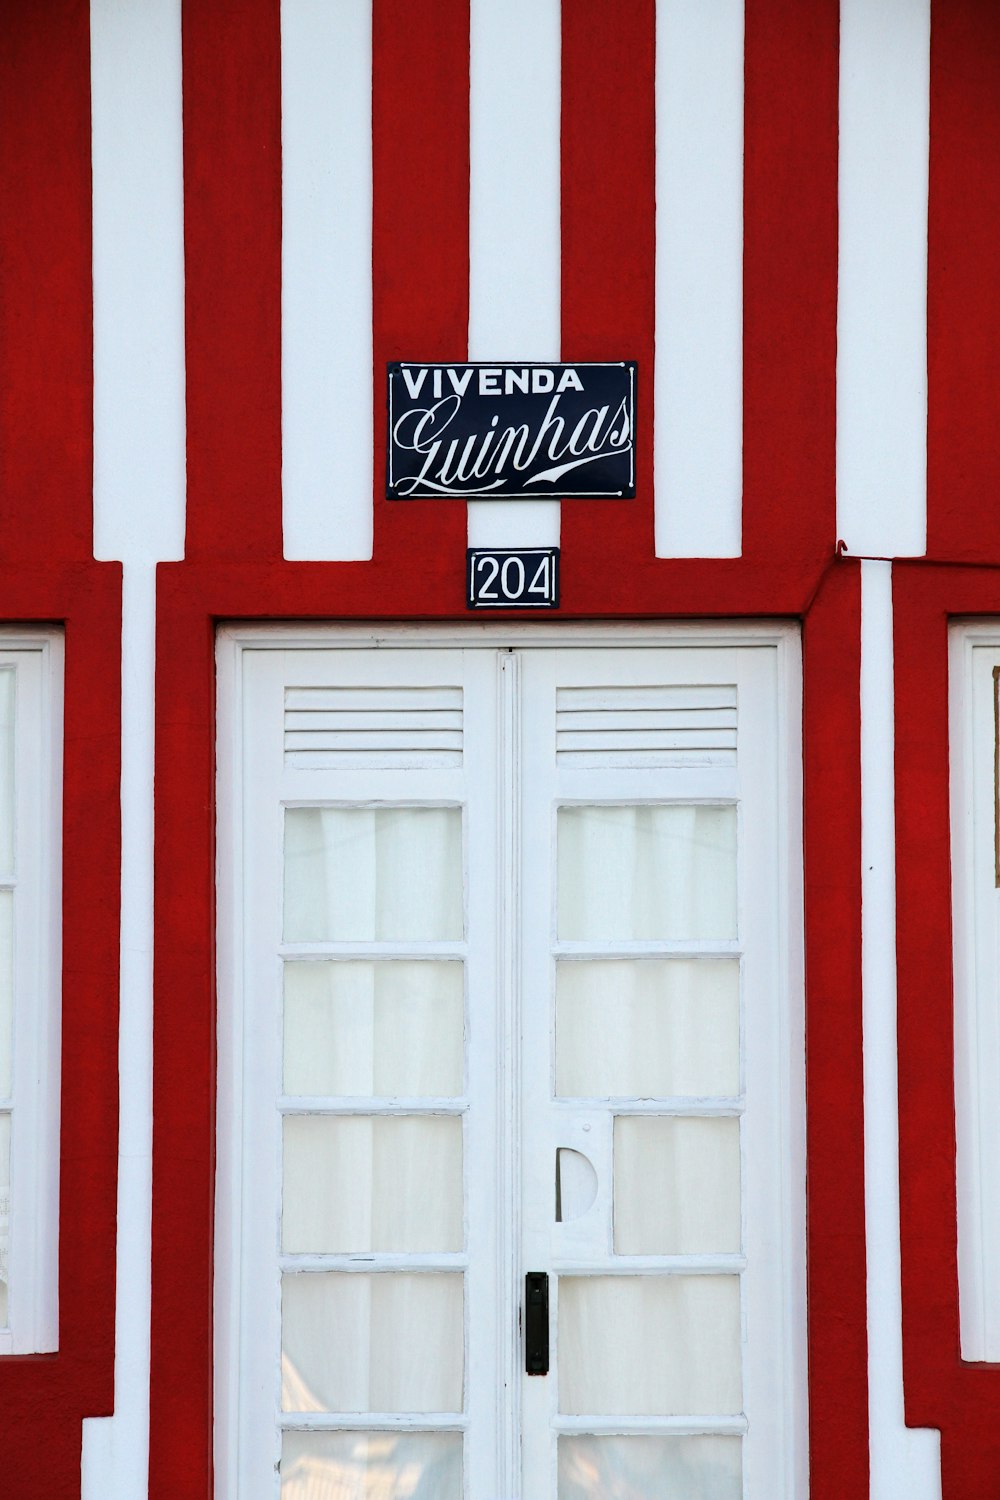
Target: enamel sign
(512,578)
(511,432)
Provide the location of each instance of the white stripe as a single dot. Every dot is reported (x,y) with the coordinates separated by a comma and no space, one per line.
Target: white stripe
(326,300)
(882,312)
(905,1463)
(514,219)
(139,426)
(139,494)
(698,466)
(116,1449)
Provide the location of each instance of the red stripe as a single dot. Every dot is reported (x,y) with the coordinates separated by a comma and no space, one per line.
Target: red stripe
(963,301)
(46,378)
(181,1397)
(420,238)
(232,245)
(790,280)
(608,252)
(835,1167)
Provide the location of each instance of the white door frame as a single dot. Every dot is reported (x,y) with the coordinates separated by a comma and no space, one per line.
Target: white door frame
(233,641)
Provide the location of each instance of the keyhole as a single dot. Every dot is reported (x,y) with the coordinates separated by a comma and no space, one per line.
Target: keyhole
(576,1184)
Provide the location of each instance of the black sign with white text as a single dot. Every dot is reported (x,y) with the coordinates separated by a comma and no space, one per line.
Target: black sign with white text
(498,578)
(511,432)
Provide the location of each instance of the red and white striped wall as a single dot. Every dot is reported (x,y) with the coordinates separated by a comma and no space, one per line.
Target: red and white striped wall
(218,221)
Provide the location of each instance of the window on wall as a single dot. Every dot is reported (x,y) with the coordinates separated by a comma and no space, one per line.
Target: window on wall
(30,784)
(975,824)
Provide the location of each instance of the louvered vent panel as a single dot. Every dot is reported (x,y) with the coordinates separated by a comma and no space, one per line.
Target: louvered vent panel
(646,726)
(373,726)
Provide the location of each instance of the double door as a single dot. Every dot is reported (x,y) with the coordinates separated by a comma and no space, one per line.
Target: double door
(510,1199)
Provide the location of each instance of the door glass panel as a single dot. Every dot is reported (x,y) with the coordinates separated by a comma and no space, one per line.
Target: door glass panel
(369,874)
(647,1028)
(6,992)
(371,1466)
(647,872)
(649,1345)
(4,1216)
(676,1185)
(372,1182)
(354,1342)
(390,1028)
(7,692)
(640,1468)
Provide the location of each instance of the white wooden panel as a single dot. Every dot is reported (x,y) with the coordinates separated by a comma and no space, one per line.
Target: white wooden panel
(698,465)
(646,726)
(882,304)
(139,421)
(514,219)
(326,304)
(378,726)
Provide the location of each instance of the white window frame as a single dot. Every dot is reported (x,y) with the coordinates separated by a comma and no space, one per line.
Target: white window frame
(974,652)
(232,641)
(33,1309)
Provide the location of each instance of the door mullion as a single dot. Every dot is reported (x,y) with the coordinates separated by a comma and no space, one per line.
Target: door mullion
(508,1054)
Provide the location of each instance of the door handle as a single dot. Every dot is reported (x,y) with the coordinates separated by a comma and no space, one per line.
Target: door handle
(536,1323)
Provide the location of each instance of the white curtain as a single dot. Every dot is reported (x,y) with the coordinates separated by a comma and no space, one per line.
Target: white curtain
(389,1028)
(372,1466)
(676,1185)
(372,1182)
(647,1028)
(649,1345)
(654,872)
(636,1468)
(354,1342)
(370,874)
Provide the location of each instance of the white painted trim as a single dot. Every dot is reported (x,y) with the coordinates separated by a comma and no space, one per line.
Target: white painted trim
(974,653)
(515,240)
(139,415)
(882,300)
(905,1463)
(698,393)
(326,282)
(583,635)
(33,1310)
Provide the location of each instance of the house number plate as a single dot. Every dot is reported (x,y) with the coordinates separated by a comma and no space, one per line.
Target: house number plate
(527,578)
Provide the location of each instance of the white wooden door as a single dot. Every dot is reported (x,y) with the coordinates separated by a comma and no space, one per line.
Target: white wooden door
(509,983)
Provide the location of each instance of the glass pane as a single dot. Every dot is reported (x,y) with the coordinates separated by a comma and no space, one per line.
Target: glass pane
(357,1342)
(367,874)
(6,993)
(677,1185)
(4,1215)
(364,1182)
(648,1345)
(633,873)
(647,1028)
(640,1468)
(371,1466)
(390,1028)
(7,686)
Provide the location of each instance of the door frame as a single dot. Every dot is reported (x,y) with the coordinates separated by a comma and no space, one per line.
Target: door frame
(231,642)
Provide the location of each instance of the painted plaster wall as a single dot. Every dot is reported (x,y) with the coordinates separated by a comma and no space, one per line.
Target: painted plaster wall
(787,215)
